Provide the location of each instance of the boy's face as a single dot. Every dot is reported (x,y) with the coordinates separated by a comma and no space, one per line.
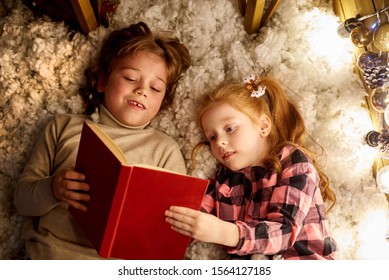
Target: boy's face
(235,141)
(135,88)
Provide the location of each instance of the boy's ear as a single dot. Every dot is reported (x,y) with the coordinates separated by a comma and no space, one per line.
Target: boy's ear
(101,82)
(264,125)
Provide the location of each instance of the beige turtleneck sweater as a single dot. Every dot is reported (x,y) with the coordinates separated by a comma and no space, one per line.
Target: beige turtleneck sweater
(50,231)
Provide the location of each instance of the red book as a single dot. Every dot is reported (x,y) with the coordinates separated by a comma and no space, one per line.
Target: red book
(125,217)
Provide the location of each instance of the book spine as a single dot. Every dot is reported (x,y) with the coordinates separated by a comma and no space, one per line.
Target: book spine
(116,211)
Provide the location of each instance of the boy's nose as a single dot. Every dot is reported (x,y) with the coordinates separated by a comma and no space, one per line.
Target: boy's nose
(141,91)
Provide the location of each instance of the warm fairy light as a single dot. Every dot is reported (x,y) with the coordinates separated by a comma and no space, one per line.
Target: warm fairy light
(324,41)
(364,155)
(383,179)
(326,45)
(372,236)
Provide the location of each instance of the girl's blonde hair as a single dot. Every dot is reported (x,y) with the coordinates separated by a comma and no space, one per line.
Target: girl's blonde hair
(128,41)
(288,126)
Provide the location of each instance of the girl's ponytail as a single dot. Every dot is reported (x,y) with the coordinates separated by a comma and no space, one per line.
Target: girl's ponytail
(287,121)
(289,129)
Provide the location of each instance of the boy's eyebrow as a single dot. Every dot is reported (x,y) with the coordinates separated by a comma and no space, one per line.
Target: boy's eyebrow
(135,69)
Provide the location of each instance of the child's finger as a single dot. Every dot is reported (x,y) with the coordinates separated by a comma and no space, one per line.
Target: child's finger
(177,225)
(184,232)
(77,205)
(178,219)
(183,210)
(76,186)
(73,175)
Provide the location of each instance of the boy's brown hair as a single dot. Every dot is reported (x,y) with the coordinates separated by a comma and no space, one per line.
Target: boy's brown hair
(126,42)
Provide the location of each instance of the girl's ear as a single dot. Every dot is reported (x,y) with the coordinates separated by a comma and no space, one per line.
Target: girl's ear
(264,125)
(101,82)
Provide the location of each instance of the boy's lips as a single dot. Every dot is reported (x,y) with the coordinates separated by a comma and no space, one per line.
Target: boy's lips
(136,104)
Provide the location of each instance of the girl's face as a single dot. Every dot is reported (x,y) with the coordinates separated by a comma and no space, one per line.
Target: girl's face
(235,141)
(135,88)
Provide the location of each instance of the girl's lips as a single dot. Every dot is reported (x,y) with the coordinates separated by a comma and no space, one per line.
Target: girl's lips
(227,155)
(136,104)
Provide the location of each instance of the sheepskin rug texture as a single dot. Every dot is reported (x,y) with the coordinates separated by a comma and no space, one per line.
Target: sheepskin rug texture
(42,65)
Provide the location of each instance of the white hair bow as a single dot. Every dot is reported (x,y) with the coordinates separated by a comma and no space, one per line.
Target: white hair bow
(253,84)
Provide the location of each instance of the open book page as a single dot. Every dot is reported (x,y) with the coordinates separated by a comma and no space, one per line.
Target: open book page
(108,142)
(118,152)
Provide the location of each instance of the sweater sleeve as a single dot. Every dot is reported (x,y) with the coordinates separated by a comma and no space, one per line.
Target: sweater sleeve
(288,207)
(33,195)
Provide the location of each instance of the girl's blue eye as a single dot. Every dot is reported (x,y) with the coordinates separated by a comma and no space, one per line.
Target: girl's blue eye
(229,129)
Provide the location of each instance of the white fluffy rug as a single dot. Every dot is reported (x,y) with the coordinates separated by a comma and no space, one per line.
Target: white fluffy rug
(42,64)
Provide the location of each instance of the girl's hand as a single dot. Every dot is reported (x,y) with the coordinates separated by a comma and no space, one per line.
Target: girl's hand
(202,226)
(68,186)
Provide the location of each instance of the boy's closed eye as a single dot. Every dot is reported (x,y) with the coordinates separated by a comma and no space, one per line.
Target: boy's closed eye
(134,80)
(155,89)
(129,79)
(157,86)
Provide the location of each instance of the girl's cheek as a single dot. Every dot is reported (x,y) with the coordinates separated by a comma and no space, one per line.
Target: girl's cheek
(214,151)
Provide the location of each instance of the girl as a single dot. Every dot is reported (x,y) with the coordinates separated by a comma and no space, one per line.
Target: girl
(136,73)
(267,197)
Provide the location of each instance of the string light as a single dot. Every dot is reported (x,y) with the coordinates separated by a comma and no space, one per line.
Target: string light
(374,68)
(383,179)
(345,28)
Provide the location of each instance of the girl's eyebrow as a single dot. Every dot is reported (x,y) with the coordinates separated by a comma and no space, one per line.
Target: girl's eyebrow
(226,119)
(138,70)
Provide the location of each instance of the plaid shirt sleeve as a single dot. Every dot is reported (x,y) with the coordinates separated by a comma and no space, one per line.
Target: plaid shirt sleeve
(208,203)
(288,218)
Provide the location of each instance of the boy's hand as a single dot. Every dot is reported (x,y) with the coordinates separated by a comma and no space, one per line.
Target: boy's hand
(68,186)
(202,226)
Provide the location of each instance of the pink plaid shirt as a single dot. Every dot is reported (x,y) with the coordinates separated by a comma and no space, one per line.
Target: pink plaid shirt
(283,215)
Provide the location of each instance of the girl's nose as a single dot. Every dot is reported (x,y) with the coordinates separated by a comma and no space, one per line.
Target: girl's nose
(221,143)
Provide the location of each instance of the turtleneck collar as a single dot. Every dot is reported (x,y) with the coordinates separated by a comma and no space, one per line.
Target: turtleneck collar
(106,118)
